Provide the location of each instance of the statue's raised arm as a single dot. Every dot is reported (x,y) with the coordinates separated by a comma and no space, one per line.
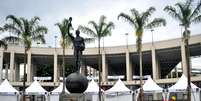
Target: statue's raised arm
(68,29)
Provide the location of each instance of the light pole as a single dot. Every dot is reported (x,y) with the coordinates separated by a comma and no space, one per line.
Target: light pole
(103,43)
(55,42)
(152,36)
(126,40)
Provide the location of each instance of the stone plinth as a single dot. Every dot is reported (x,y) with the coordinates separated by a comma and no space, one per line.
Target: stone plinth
(73,97)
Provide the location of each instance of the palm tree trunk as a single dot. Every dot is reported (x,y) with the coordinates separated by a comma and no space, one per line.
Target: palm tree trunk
(25,77)
(187,53)
(141,89)
(63,69)
(99,67)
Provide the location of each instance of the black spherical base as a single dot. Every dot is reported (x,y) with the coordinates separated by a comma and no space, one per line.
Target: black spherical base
(76,83)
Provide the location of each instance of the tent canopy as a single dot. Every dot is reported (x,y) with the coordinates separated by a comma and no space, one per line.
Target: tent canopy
(181,85)
(151,86)
(118,87)
(59,89)
(35,89)
(6,88)
(92,87)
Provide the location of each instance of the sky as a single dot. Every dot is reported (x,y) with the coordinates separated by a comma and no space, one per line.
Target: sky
(83,11)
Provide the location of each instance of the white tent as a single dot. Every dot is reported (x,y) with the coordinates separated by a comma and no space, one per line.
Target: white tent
(150,86)
(58,90)
(55,93)
(35,89)
(7,92)
(181,86)
(91,93)
(118,87)
(119,92)
(92,87)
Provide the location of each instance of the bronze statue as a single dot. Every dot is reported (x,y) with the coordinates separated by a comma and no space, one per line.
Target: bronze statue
(76,82)
(78,45)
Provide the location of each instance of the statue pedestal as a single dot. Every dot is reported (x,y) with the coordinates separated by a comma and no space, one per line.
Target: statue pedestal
(73,97)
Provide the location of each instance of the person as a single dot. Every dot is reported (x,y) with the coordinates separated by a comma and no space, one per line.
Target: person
(78,45)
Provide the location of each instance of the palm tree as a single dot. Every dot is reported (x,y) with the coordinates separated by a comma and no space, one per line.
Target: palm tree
(64,27)
(2,42)
(141,22)
(24,31)
(98,31)
(3,45)
(186,13)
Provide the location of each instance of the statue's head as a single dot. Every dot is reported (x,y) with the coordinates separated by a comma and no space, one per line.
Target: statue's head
(77,32)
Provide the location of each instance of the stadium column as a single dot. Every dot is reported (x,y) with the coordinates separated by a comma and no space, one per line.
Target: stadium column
(59,71)
(6,71)
(155,66)
(55,68)
(183,58)
(29,70)
(128,66)
(17,72)
(104,68)
(12,59)
(1,64)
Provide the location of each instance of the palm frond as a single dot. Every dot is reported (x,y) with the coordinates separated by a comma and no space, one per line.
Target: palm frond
(189,3)
(34,20)
(108,28)
(196,11)
(11,39)
(89,40)
(87,31)
(39,30)
(148,13)
(183,9)
(101,23)
(66,42)
(99,30)
(127,18)
(181,6)
(135,12)
(173,12)
(15,21)
(62,30)
(26,30)
(60,26)
(95,26)
(197,19)
(3,44)
(156,23)
(39,38)
(11,28)
(26,27)
(1,29)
